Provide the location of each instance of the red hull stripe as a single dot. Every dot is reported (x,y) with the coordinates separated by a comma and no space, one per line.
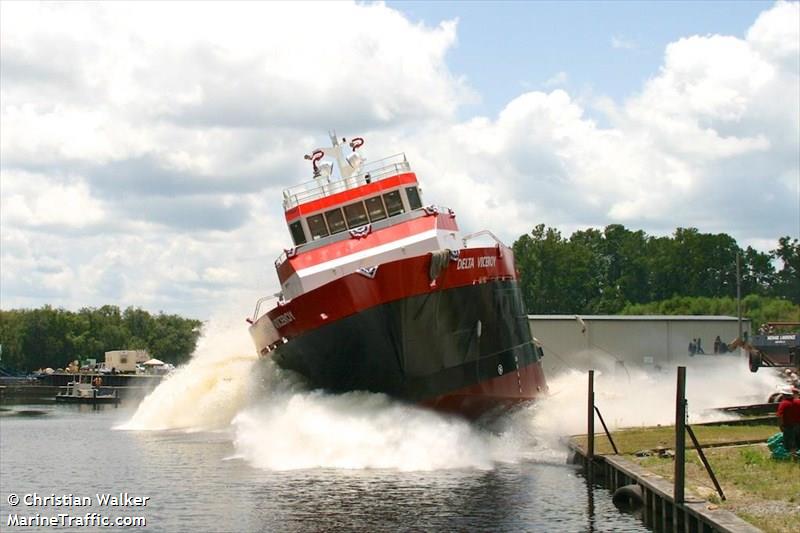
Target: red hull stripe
(502,391)
(395,280)
(350,195)
(350,246)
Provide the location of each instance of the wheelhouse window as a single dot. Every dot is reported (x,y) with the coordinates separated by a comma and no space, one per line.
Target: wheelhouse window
(317,226)
(394,204)
(296,229)
(414,201)
(336,221)
(355,214)
(375,209)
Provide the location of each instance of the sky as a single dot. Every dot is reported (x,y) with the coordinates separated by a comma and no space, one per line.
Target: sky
(144,147)
(505,48)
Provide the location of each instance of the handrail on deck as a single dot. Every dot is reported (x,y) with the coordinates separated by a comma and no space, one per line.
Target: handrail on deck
(320,188)
(260,301)
(465,238)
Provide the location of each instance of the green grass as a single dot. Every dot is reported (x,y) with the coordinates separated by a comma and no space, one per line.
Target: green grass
(629,441)
(759,489)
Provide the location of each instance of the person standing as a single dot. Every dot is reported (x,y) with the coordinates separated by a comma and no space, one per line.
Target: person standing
(789,419)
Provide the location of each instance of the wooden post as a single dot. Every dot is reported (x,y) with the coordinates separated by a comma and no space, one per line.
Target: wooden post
(680,436)
(605,428)
(590,515)
(739,293)
(590,427)
(705,461)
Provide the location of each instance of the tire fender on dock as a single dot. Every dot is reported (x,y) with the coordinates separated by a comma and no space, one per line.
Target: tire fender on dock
(628,497)
(574,458)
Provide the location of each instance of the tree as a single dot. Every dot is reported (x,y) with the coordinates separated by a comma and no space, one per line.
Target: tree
(547,270)
(172,338)
(788,278)
(47,337)
(758,273)
(601,272)
(759,309)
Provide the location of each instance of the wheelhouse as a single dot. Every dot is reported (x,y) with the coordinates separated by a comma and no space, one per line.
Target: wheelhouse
(365,216)
(325,207)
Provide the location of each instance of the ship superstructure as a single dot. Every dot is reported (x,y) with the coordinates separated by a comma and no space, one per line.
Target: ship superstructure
(381,292)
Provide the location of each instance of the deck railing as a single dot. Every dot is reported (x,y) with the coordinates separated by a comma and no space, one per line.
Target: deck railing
(321,187)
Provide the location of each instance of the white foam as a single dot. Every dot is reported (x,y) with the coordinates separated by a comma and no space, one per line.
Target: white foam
(634,397)
(359,431)
(275,425)
(206,392)
(278,426)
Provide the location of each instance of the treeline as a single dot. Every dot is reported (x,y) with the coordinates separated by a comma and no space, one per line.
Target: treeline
(759,309)
(48,337)
(607,271)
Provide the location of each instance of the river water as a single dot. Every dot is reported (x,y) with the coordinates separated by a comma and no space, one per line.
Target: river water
(199,481)
(227,443)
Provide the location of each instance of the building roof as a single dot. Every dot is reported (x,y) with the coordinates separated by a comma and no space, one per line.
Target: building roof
(705,318)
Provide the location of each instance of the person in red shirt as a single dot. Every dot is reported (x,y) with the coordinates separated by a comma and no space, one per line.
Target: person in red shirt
(789,419)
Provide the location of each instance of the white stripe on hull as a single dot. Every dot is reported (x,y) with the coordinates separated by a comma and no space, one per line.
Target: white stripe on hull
(310,278)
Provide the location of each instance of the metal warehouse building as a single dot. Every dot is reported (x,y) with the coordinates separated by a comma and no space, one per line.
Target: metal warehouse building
(656,341)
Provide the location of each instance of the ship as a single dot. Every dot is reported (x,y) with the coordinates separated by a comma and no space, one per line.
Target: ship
(381,292)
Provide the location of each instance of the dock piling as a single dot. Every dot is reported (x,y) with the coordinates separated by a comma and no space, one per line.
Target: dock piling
(590,429)
(680,436)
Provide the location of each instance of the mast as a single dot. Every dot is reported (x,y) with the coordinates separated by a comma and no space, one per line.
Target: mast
(345,170)
(348,166)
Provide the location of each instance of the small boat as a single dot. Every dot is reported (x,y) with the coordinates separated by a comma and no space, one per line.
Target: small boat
(381,292)
(93,393)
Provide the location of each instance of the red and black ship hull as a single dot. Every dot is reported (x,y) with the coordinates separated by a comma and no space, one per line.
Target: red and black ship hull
(456,340)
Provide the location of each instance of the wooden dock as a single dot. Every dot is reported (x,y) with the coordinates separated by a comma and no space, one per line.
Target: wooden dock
(666,507)
(127,385)
(659,512)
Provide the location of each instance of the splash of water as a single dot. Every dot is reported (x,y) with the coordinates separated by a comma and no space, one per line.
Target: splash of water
(206,392)
(356,431)
(635,398)
(275,425)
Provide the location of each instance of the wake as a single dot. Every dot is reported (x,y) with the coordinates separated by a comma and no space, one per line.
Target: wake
(275,424)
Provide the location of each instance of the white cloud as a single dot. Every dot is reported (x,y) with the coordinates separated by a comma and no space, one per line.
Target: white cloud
(144,146)
(710,141)
(623,43)
(191,87)
(35,200)
(774,34)
(134,133)
(557,79)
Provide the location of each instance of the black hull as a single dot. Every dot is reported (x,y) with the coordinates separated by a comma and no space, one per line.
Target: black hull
(423,347)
